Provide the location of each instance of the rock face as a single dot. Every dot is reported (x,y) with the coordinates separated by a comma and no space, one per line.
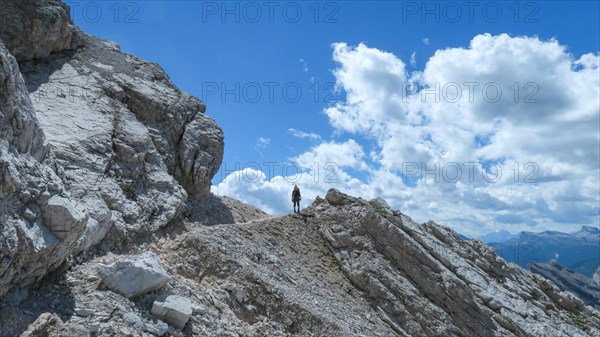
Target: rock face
(29,245)
(34,29)
(596,276)
(416,273)
(135,276)
(568,280)
(95,146)
(18,123)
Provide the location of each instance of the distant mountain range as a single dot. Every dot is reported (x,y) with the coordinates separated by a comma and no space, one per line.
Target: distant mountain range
(579,251)
(499,236)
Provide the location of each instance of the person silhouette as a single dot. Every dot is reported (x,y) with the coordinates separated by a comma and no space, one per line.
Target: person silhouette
(296,198)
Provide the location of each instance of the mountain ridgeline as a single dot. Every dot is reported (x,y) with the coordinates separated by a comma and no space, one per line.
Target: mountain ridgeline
(579,251)
(586,288)
(108,226)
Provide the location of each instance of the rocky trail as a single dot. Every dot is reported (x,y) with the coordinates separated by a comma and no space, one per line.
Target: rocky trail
(343,267)
(271,277)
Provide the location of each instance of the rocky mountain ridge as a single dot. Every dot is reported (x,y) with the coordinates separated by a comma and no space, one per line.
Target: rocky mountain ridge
(343,267)
(108,227)
(568,280)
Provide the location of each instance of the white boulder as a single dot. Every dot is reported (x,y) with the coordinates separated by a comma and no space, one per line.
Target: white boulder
(173,309)
(135,276)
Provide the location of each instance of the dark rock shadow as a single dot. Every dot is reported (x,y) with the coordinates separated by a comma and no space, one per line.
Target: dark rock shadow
(53,295)
(37,72)
(209,212)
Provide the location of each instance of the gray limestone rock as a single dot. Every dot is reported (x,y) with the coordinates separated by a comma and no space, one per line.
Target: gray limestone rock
(39,225)
(18,122)
(568,280)
(34,29)
(62,218)
(96,146)
(173,309)
(338,269)
(44,325)
(134,276)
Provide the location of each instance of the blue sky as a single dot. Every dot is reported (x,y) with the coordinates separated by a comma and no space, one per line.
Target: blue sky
(247,61)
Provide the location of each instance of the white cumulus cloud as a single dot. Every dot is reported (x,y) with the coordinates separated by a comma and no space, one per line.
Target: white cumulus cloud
(501,134)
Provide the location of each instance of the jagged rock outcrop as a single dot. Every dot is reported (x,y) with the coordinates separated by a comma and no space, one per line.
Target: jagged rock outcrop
(35,28)
(18,123)
(95,146)
(39,224)
(343,267)
(568,280)
(123,136)
(429,282)
(596,276)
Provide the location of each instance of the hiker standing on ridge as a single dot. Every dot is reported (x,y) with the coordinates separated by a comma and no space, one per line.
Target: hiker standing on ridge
(296,198)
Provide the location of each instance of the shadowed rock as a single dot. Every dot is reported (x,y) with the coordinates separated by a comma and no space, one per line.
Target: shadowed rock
(34,29)
(568,280)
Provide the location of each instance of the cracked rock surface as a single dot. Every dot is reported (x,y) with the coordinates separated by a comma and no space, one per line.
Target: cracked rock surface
(96,147)
(568,280)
